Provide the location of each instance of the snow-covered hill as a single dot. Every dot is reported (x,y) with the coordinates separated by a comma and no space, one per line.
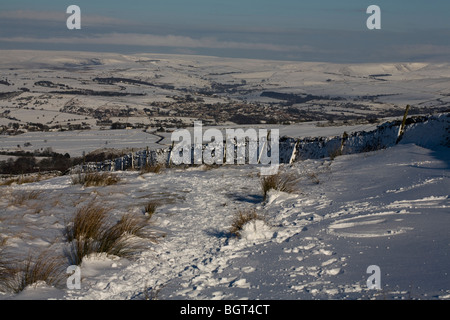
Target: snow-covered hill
(388,208)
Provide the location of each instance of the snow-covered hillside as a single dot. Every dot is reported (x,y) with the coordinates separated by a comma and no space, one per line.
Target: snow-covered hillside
(388,208)
(65,90)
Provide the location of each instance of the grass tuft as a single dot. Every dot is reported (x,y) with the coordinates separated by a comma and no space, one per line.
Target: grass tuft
(148,168)
(6,271)
(241,218)
(95,179)
(313,177)
(279,181)
(35,269)
(19,198)
(131,225)
(23,179)
(90,233)
(150,208)
(87,223)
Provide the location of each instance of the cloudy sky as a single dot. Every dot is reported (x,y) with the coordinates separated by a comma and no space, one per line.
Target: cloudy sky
(301,30)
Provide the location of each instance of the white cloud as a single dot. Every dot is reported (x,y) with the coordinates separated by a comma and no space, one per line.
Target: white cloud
(138,39)
(60,16)
(422,49)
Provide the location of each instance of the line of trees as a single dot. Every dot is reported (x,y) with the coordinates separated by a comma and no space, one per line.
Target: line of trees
(23,162)
(26,162)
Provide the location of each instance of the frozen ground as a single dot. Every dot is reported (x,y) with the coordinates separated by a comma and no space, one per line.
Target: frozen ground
(388,208)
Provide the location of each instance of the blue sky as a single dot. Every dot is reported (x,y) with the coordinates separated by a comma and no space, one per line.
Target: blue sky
(326,30)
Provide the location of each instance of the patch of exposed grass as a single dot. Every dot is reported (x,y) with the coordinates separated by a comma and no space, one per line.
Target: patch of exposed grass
(149,168)
(313,177)
(241,218)
(19,198)
(35,269)
(8,182)
(19,180)
(117,241)
(281,181)
(26,179)
(150,208)
(95,179)
(6,271)
(132,225)
(77,249)
(207,167)
(90,233)
(87,222)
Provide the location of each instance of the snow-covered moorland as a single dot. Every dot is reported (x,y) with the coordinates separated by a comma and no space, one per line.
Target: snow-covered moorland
(388,208)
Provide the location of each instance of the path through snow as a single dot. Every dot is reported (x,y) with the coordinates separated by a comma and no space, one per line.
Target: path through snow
(387,208)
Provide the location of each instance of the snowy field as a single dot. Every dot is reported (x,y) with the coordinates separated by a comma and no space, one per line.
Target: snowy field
(388,208)
(77,142)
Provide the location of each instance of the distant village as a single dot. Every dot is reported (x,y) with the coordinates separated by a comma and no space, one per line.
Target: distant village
(178,113)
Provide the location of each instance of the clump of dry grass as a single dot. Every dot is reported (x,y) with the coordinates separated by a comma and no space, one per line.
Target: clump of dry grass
(26,179)
(6,271)
(34,269)
(241,218)
(95,179)
(131,225)
(152,168)
(19,198)
(87,222)
(207,167)
(118,239)
(16,275)
(19,180)
(313,177)
(281,181)
(77,249)
(91,233)
(150,208)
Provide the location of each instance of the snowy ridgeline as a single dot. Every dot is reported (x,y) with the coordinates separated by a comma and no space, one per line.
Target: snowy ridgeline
(424,131)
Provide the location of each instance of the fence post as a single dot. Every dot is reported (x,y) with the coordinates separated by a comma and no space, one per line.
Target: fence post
(224,153)
(262,149)
(170,154)
(294,152)
(344,138)
(401,130)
